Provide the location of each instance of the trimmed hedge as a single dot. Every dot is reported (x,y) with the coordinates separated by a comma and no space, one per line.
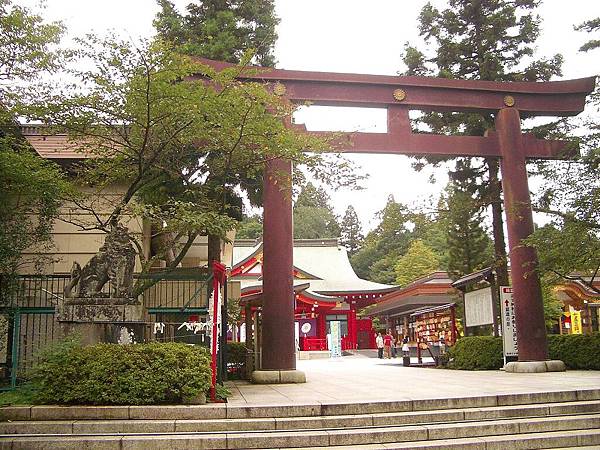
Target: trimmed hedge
(577,351)
(476,353)
(110,374)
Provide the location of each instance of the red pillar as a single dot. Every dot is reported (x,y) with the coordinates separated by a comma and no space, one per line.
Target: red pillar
(278,352)
(529,308)
(352,333)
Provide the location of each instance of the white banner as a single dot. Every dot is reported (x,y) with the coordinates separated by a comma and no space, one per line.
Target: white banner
(478,307)
(335,339)
(509,330)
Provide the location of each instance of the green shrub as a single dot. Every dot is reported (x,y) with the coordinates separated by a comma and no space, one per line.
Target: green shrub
(577,351)
(476,353)
(110,374)
(236,360)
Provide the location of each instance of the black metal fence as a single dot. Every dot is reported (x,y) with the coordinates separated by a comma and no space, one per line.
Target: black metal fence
(176,307)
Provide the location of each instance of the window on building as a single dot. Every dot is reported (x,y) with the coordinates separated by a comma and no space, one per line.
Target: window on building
(341,318)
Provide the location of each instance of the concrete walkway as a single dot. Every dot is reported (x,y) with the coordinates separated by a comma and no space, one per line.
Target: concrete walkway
(361,378)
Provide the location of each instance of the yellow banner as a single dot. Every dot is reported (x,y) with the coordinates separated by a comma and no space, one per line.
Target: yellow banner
(576,327)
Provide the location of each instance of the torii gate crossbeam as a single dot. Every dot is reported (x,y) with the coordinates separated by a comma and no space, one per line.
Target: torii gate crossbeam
(506,101)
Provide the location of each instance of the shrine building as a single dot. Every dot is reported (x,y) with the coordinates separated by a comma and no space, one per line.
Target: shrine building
(326,289)
(424,310)
(581,306)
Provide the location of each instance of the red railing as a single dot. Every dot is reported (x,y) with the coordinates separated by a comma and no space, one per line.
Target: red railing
(313,344)
(320,344)
(347,343)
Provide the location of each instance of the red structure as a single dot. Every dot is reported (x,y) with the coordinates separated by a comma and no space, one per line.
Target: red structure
(399,95)
(325,289)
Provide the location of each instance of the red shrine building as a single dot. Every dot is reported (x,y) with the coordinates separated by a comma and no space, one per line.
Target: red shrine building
(326,289)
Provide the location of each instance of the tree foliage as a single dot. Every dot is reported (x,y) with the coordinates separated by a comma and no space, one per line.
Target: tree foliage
(469,246)
(351,231)
(250,227)
(384,245)
(313,215)
(27,46)
(569,246)
(223,30)
(178,145)
(417,262)
(31,190)
(398,228)
(484,40)
(30,187)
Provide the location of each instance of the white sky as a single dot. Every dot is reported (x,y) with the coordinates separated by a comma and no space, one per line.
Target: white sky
(348,36)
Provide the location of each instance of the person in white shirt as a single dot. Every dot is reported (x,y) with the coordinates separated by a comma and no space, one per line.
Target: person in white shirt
(379,342)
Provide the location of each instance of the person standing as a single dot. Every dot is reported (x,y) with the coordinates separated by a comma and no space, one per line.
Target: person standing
(387,345)
(405,347)
(442,344)
(379,342)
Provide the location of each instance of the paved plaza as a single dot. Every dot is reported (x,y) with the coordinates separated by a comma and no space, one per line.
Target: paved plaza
(363,378)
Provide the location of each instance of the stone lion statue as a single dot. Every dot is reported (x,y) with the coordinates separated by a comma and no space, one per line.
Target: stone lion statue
(113,263)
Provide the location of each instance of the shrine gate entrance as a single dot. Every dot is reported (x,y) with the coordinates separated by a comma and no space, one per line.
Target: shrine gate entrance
(507,101)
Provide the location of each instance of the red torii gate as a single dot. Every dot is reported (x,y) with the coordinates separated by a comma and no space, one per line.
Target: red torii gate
(507,101)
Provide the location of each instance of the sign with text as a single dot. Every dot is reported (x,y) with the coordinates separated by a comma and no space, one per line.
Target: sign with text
(335,346)
(509,328)
(478,307)
(576,327)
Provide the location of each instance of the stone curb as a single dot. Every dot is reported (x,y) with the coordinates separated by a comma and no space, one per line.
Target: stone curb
(223,410)
(495,435)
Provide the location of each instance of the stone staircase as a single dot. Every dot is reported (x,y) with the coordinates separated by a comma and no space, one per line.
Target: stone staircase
(563,419)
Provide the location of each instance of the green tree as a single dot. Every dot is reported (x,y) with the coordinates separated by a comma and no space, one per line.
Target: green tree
(221,29)
(590,26)
(172,144)
(351,231)
(418,261)
(31,190)
(313,216)
(27,48)
(432,229)
(385,244)
(225,30)
(30,187)
(469,246)
(250,227)
(569,246)
(483,40)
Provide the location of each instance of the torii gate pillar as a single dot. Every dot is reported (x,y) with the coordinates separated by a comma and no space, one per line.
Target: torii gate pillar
(278,335)
(527,292)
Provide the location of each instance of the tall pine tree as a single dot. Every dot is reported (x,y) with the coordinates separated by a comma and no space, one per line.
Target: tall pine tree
(313,215)
(480,40)
(221,29)
(351,231)
(469,246)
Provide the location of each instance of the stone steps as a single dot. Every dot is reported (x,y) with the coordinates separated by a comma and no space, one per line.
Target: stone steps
(464,415)
(537,420)
(489,437)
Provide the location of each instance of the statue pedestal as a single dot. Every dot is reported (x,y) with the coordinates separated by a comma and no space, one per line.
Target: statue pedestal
(102,320)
